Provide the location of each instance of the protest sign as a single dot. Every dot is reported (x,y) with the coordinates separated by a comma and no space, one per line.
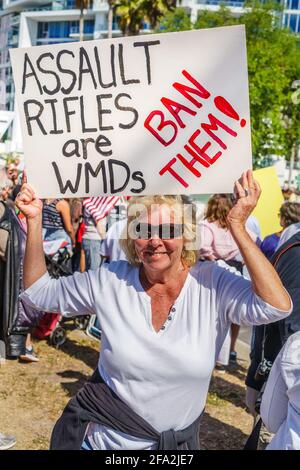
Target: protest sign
(155,114)
(269,202)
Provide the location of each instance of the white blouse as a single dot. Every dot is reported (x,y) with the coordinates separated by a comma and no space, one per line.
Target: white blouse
(164,377)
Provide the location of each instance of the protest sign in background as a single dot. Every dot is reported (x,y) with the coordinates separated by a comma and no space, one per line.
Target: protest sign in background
(269,202)
(154,114)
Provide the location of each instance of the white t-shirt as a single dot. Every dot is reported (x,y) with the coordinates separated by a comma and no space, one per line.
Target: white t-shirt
(164,377)
(280,406)
(110,246)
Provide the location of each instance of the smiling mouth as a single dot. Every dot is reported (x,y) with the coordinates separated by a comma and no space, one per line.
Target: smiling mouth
(155,253)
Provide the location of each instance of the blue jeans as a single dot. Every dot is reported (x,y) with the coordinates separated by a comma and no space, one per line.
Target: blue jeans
(92,253)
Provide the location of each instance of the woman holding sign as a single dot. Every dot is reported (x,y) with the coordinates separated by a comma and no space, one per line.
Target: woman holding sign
(163,318)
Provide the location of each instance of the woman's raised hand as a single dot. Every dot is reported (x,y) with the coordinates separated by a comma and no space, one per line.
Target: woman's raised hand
(27,202)
(247,192)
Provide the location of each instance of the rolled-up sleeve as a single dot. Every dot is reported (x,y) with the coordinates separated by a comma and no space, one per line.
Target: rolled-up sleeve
(67,296)
(239,304)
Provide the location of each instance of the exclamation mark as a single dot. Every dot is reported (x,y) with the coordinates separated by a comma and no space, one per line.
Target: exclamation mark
(227,109)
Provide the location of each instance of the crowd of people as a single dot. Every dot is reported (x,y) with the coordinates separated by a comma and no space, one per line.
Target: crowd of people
(179,308)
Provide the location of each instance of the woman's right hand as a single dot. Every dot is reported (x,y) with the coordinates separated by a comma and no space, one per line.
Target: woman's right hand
(28,203)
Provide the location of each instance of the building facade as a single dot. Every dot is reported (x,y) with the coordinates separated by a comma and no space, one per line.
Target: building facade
(290,16)
(26,23)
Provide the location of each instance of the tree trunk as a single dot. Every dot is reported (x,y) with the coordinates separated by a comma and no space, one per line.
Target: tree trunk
(110,21)
(292,161)
(81,25)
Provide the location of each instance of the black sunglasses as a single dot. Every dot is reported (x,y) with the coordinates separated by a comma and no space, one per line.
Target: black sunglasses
(146,231)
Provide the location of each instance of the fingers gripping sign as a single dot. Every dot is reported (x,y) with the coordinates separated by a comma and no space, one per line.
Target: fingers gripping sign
(27,201)
(246,192)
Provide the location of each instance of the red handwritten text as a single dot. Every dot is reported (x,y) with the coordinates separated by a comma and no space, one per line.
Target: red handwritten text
(194,154)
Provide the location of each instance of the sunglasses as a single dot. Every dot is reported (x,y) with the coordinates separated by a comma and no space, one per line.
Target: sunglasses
(146,231)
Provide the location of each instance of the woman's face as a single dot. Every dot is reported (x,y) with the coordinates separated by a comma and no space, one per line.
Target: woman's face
(160,244)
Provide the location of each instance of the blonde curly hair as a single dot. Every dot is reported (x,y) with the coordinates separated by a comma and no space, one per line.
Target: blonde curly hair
(183,209)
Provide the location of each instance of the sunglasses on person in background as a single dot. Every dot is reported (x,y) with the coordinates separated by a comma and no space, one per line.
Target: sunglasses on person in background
(146,231)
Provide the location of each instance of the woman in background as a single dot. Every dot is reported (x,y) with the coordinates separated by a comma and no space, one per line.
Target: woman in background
(289,214)
(57,222)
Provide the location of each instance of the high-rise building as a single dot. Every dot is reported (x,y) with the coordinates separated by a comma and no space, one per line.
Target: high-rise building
(290,15)
(25,23)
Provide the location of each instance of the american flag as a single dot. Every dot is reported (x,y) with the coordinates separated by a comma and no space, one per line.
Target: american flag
(100,206)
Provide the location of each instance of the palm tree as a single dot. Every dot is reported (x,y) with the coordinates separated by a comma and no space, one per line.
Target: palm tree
(111,6)
(82,5)
(132,13)
(157,9)
(130,16)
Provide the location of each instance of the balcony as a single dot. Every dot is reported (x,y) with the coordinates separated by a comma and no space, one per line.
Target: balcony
(100,5)
(20,5)
(63,31)
(15,20)
(67,5)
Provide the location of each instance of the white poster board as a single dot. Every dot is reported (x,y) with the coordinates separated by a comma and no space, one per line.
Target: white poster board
(154,114)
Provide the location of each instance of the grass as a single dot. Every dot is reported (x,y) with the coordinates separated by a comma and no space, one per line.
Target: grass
(215,400)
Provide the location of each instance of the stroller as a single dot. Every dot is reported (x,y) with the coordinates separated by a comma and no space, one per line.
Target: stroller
(53,326)
(93,328)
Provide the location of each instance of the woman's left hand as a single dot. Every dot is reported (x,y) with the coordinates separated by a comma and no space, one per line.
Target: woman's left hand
(247,192)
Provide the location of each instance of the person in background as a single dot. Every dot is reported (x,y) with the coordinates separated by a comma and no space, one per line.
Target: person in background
(76,212)
(289,214)
(280,405)
(295,196)
(288,233)
(12,173)
(217,243)
(286,191)
(269,244)
(269,339)
(292,222)
(76,219)
(6,186)
(91,240)
(29,354)
(79,235)
(57,221)
(16,228)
